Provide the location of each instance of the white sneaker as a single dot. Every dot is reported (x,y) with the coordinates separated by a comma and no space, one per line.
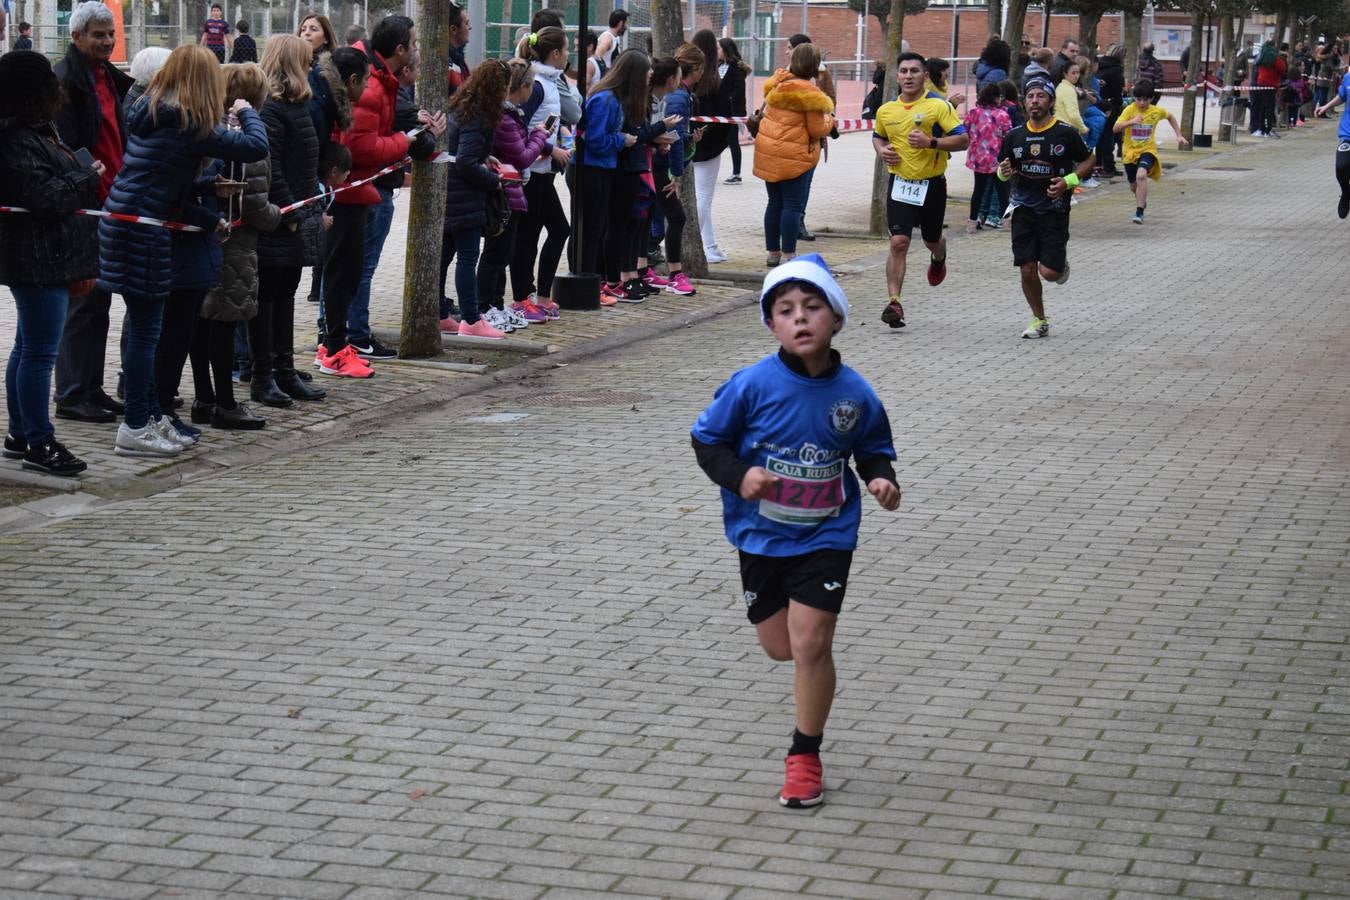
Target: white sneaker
(170,434)
(1038,328)
(144,441)
(515,318)
(498,320)
(714,254)
(1092,183)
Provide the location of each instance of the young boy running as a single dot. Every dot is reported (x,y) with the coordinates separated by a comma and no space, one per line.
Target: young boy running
(915,136)
(1138,123)
(777,439)
(1046,159)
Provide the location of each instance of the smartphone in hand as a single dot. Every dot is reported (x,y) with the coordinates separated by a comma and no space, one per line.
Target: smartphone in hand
(84,157)
(551,123)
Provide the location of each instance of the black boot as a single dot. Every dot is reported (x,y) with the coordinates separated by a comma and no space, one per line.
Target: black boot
(201,411)
(237,418)
(290,383)
(264,390)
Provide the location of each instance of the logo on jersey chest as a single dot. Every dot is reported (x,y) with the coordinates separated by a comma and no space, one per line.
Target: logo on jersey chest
(844,415)
(1035,149)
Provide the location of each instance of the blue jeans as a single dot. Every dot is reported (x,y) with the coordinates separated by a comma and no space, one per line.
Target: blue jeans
(783,215)
(1095,120)
(466,271)
(140,332)
(378,221)
(28,376)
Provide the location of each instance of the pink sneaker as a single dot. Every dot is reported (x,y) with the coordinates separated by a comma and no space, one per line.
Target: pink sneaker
(480,329)
(679,284)
(529,312)
(655,278)
(549,308)
(449,325)
(347,364)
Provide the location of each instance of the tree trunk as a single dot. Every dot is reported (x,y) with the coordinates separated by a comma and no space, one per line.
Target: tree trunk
(894,39)
(994,17)
(1088,23)
(1281,24)
(421,334)
(136,37)
(667,36)
(1134,23)
(1017,22)
(1189,76)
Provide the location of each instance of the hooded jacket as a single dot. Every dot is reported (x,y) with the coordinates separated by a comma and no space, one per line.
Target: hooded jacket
(159,179)
(329,107)
(235,299)
(49,246)
(517,146)
(797,114)
(372,139)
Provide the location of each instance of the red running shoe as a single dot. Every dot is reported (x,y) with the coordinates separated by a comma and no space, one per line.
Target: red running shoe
(802,785)
(937,270)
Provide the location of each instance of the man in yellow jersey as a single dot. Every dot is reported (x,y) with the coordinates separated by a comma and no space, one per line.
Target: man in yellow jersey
(914,136)
(1138,126)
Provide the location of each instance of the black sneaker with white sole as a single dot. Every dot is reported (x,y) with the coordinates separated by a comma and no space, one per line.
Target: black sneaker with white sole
(52,458)
(15,447)
(373,349)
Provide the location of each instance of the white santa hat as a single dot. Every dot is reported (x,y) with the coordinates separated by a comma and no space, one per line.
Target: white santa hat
(812,269)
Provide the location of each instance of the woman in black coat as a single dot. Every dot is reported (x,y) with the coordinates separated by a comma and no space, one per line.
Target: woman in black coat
(1111,73)
(732,70)
(45,254)
(299,240)
(172,134)
(709,101)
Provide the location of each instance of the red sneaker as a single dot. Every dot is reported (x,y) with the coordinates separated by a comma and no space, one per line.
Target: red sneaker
(345,363)
(802,785)
(937,270)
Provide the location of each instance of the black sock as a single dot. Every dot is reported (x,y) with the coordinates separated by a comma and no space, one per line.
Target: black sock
(1138,210)
(804,743)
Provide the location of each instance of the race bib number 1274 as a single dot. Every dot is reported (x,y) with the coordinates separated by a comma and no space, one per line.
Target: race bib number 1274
(804,494)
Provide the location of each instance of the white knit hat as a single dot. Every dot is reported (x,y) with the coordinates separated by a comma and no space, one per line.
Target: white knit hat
(812,269)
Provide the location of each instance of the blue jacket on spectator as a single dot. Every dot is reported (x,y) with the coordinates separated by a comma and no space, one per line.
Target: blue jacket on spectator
(159,179)
(678,103)
(603,138)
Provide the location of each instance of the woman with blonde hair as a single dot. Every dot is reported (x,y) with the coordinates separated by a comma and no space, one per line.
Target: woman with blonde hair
(797,115)
(171,136)
(235,298)
(299,240)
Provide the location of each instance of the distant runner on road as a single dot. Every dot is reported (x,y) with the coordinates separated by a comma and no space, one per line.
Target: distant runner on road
(1045,159)
(915,136)
(1343,147)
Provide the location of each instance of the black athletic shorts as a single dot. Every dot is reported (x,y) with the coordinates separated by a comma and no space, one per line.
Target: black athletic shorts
(1146,161)
(902,217)
(817,580)
(1041,237)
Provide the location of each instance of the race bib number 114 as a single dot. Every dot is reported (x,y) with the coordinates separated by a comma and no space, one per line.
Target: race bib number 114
(911,192)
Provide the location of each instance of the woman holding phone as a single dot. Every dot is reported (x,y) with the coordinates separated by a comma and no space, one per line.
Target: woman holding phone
(46,255)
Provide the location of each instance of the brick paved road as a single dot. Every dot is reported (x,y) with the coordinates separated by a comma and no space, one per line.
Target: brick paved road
(497,651)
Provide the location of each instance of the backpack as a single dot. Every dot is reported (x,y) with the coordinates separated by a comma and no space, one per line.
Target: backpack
(498,212)
(1267,57)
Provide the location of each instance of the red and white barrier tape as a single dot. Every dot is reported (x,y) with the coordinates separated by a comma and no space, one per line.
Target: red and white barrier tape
(841,124)
(120,217)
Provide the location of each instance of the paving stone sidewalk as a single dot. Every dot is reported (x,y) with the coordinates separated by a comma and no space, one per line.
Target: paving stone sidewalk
(497,650)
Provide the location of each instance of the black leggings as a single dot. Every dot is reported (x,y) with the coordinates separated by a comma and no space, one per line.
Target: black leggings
(620,246)
(735,146)
(272,331)
(492,265)
(212,362)
(1343,166)
(175,341)
(545,213)
(673,210)
(342,270)
(587,247)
